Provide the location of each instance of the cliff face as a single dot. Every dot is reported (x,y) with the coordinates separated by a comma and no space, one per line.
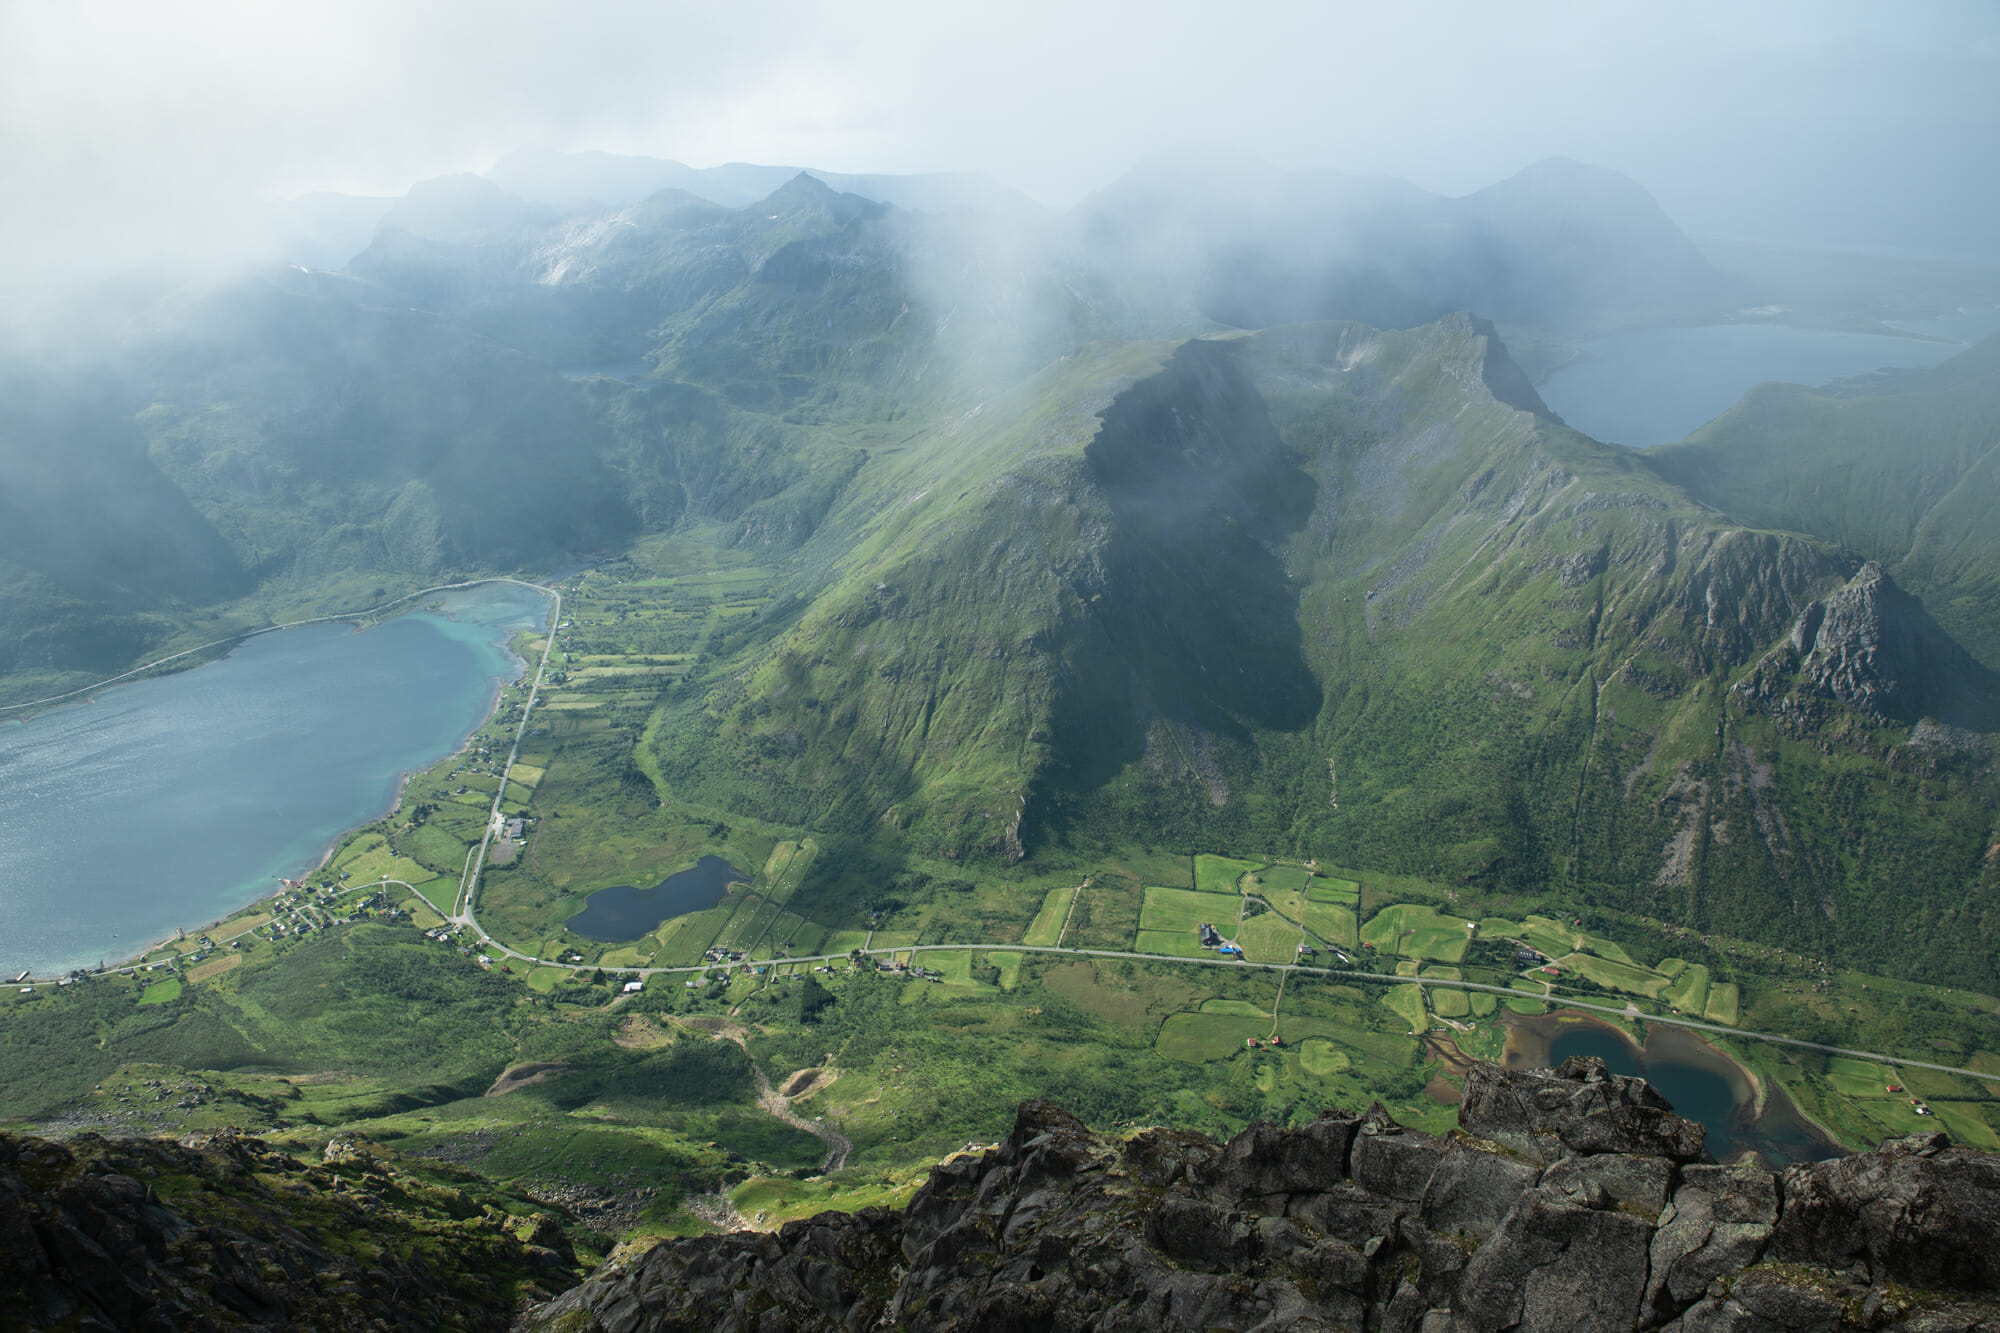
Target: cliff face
(1569,1199)
(226,1232)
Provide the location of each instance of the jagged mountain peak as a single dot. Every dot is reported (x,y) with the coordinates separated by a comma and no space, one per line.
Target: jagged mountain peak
(1873,647)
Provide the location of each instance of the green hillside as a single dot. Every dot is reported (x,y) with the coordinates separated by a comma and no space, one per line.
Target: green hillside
(1026,589)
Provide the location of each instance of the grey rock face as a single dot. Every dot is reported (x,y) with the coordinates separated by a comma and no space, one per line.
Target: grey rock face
(1915,1211)
(1570,1200)
(1577,1110)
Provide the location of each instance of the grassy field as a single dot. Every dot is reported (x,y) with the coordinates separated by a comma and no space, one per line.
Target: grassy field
(1417,930)
(1173,943)
(1407,1003)
(215,967)
(1269,938)
(1689,992)
(1173,910)
(1197,1038)
(1333,924)
(1321,1058)
(1446,1002)
(1279,881)
(1616,976)
(1330,889)
(1046,929)
(1221,874)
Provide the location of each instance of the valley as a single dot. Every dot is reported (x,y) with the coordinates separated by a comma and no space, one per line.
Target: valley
(971,664)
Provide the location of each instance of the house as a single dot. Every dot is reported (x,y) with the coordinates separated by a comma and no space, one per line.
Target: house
(634,987)
(1206,932)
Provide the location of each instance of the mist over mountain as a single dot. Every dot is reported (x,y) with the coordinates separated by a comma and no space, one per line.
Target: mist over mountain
(1203,512)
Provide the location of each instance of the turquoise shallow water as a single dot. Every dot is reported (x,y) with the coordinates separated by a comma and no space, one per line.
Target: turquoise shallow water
(170,802)
(1654,386)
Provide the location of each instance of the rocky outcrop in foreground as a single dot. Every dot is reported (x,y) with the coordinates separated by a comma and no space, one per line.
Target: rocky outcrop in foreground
(225,1232)
(1568,1199)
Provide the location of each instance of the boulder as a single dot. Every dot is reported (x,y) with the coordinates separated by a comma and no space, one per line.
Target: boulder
(1915,1211)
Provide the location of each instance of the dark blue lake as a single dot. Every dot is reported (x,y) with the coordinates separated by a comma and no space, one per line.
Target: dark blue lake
(626,912)
(1703,1085)
(170,802)
(1654,386)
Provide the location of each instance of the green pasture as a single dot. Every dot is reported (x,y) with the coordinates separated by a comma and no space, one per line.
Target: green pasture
(1269,938)
(843,941)
(1240,1008)
(1333,924)
(1407,1003)
(1321,1058)
(1689,992)
(1172,943)
(1009,964)
(1181,910)
(1616,976)
(1220,874)
(1722,1003)
(1446,1001)
(1331,889)
(161,992)
(1045,931)
(1279,881)
(1417,930)
(1198,1038)
(441,892)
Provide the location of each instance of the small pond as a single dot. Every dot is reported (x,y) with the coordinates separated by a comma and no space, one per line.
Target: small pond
(627,912)
(1702,1082)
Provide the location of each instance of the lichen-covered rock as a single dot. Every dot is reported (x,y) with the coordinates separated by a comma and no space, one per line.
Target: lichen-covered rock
(1548,1211)
(1915,1211)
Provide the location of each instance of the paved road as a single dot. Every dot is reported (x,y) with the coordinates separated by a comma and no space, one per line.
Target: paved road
(469,884)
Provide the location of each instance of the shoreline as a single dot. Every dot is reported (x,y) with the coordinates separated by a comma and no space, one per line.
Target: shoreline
(135,963)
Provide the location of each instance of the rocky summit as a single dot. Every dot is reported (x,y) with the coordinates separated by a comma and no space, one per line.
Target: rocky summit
(1568,1199)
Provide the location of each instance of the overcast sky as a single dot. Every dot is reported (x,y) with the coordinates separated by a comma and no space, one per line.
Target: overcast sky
(1866,126)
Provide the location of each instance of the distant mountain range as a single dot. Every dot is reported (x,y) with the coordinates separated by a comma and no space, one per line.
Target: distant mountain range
(1211,512)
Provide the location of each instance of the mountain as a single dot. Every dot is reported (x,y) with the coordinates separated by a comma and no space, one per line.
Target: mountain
(1559,245)
(1329,587)
(1064,561)
(1904,469)
(594,180)
(1569,1199)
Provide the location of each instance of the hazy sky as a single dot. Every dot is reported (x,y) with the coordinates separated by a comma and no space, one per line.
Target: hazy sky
(1868,126)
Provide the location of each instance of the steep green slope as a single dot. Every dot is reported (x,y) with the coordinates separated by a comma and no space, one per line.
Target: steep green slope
(1329,590)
